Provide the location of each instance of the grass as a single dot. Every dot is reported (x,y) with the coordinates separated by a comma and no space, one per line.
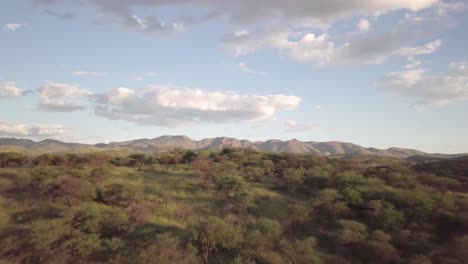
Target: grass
(171,192)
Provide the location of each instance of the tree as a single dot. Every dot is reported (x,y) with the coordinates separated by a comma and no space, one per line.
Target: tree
(351,195)
(378,249)
(12,159)
(118,194)
(234,190)
(85,245)
(293,178)
(48,238)
(203,170)
(114,222)
(213,233)
(385,215)
(253,173)
(166,248)
(87,219)
(351,232)
(76,189)
(189,156)
(43,160)
(137,213)
(97,175)
(263,234)
(301,251)
(328,207)
(138,161)
(269,167)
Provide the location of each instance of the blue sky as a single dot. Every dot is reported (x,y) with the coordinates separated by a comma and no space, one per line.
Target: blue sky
(388,73)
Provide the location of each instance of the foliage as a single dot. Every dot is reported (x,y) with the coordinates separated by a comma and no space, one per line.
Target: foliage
(231,206)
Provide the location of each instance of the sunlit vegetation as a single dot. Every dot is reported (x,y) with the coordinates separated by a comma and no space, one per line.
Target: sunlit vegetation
(233,206)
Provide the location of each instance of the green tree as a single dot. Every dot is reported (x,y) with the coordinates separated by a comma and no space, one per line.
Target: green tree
(351,195)
(294,178)
(166,248)
(213,233)
(234,189)
(48,238)
(385,215)
(328,206)
(301,251)
(118,194)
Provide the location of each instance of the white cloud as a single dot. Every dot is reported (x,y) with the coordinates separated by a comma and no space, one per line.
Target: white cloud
(149,24)
(429,48)
(9,89)
(246,68)
(403,79)
(172,106)
(89,73)
(293,126)
(438,11)
(245,11)
(24,130)
(412,63)
(145,75)
(61,97)
(12,26)
(323,50)
(364,24)
(62,15)
(429,89)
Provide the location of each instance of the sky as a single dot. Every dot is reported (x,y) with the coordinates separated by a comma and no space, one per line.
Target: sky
(378,73)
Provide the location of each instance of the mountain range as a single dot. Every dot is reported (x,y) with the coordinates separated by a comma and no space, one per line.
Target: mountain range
(168,143)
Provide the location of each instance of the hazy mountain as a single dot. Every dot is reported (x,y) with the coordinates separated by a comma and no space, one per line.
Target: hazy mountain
(167,143)
(45,146)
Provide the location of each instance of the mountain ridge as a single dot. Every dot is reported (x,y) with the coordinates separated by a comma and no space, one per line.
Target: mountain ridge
(167,143)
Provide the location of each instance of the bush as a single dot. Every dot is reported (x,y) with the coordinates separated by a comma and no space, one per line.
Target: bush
(213,233)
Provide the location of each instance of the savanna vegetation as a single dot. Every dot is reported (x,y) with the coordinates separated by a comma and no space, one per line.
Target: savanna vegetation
(232,206)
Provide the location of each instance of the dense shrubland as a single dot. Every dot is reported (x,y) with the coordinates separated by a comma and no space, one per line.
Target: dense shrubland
(233,206)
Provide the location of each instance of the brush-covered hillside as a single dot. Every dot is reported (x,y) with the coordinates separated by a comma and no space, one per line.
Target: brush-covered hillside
(235,206)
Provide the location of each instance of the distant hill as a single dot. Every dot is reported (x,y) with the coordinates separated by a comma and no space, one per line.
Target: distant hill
(456,167)
(168,143)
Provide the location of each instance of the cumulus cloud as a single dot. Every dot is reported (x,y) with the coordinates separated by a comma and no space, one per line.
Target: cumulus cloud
(364,24)
(24,130)
(293,126)
(243,67)
(12,26)
(89,73)
(61,97)
(173,106)
(429,89)
(323,50)
(9,89)
(245,11)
